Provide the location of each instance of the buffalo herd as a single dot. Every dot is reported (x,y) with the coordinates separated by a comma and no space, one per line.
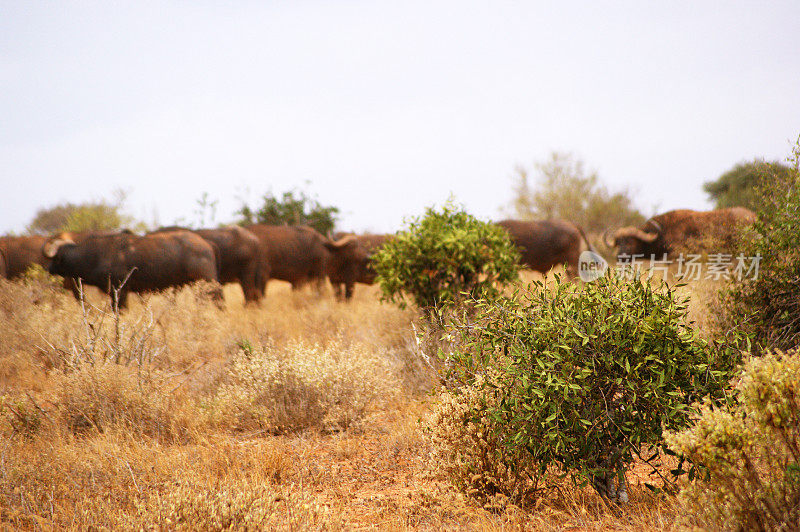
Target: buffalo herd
(251,256)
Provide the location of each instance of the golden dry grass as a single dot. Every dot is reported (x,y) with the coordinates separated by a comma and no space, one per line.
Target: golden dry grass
(117,447)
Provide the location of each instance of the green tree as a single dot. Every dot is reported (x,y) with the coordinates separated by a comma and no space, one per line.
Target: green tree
(739,186)
(765,303)
(442,256)
(88,216)
(292,208)
(564,189)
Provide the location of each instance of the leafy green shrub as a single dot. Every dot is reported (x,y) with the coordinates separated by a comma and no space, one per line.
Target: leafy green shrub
(767,308)
(591,374)
(750,451)
(442,256)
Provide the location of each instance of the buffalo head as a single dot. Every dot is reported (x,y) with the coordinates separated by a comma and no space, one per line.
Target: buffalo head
(51,248)
(350,259)
(634,240)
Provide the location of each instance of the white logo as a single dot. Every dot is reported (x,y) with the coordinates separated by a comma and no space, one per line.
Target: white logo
(591,266)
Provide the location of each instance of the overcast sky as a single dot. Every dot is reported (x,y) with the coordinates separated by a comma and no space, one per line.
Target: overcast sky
(385,107)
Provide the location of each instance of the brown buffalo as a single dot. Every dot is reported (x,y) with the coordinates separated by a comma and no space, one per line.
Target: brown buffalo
(296,254)
(143,263)
(547,243)
(242,258)
(70,283)
(22,252)
(3,269)
(352,263)
(661,234)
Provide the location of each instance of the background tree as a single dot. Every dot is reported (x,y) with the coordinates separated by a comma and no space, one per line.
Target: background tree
(292,208)
(765,303)
(563,188)
(97,215)
(739,186)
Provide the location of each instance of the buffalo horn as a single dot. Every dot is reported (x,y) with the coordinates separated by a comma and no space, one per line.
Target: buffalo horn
(342,242)
(636,233)
(50,248)
(606,241)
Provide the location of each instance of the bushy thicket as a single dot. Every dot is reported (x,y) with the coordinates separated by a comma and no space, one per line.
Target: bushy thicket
(443,256)
(588,377)
(750,452)
(768,307)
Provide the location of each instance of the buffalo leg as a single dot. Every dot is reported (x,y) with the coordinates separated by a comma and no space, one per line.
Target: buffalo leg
(248,280)
(251,293)
(216,296)
(337,290)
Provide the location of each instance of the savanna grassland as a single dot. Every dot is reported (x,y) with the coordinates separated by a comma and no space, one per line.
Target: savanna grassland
(303,413)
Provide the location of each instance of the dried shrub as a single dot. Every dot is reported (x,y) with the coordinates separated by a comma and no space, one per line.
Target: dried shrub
(233,505)
(468,447)
(21,414)
(303,386)
(108,395)
(187,506)
(749,452)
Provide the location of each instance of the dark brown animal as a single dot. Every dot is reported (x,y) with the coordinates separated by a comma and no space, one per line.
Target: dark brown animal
(296,254)
(22,252)
(143,263)
(547,243)
(242,258)
(662,233)
(3,270)
(79,236)
(351,264)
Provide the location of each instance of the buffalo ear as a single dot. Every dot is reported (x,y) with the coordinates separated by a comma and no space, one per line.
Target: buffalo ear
(51,247)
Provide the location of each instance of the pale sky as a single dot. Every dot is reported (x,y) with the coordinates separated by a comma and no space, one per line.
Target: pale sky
(385,107)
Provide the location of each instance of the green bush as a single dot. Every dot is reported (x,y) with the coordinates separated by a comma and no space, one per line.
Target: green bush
(292,208)
(750,451)
(442,256)
(590,374)
(767,308)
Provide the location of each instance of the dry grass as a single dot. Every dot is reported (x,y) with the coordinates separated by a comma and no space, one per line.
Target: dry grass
(153,446)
